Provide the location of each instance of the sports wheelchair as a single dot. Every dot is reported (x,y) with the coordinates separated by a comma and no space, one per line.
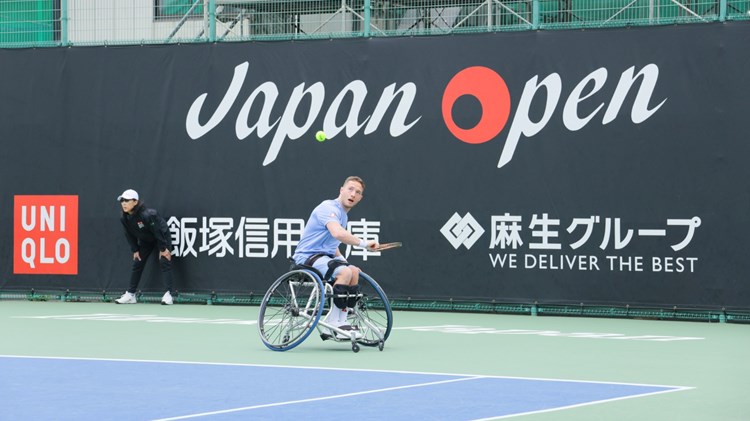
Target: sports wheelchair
(293,306)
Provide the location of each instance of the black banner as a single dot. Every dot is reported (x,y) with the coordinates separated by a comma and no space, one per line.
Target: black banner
(597,167)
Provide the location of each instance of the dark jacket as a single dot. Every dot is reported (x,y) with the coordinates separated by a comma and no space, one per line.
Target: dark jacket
(145,225)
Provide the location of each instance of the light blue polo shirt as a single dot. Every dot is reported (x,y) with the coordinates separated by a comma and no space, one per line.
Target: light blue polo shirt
(315,237)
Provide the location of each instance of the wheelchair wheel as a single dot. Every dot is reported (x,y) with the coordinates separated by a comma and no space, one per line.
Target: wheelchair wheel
(372,314)
(290,310)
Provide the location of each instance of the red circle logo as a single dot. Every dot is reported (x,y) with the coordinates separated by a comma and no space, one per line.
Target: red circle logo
(490,90)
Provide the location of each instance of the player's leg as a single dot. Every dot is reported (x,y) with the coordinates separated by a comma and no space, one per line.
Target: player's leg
(354,280)
(321,264)
(352,293)
(345,292)
(341,278)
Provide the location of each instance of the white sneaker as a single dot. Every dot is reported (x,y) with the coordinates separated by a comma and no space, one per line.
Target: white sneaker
(330,319)
(348,328)
(167,300)
(127,298)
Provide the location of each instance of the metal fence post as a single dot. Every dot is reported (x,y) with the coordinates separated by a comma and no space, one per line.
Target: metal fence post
(368,18)
(64,23)
(722,10)
(534,14)
(489,15)
(211,20)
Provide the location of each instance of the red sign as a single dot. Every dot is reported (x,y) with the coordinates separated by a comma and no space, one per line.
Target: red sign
(45,235)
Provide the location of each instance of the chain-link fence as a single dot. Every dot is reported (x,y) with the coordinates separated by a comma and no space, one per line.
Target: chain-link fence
(26,23)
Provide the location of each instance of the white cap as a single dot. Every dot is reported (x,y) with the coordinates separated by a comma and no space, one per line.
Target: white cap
(128,194)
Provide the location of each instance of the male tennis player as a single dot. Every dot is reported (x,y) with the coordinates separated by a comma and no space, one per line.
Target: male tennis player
(319,247)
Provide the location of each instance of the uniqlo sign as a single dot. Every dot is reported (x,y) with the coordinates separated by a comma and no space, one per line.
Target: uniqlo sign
(45,235)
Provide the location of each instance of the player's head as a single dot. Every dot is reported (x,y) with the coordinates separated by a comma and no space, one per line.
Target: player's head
(357,179)
(351,192)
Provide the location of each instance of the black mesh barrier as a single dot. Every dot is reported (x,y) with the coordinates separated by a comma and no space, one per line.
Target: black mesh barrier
(601,167)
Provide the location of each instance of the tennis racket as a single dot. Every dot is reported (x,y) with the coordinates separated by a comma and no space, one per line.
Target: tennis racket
(386,246)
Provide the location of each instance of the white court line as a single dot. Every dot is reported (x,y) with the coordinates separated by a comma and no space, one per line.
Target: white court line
(150,318)
(476,330)
(270,405)
(579,405)
(473,376)
(461,377)
(451,329)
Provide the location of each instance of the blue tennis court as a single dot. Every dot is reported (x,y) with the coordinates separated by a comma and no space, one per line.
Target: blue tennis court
(95,389)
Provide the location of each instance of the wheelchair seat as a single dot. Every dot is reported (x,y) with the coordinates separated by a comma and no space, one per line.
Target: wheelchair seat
(296,266)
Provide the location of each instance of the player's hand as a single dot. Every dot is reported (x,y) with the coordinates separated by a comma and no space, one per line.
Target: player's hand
(137,256)
(372,244)
(166,254)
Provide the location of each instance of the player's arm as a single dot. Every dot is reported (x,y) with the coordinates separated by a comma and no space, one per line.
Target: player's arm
(338,232)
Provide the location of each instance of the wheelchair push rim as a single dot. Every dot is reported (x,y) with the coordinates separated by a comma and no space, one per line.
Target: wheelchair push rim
(290,310)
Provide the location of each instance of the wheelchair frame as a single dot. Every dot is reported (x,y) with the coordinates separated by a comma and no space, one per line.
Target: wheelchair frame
(293,305)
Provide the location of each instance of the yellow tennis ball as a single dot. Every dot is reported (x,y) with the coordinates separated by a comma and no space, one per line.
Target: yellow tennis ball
(320,136)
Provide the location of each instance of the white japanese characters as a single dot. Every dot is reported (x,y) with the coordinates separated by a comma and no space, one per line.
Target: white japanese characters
(253,237)
(541,233)
(506,231)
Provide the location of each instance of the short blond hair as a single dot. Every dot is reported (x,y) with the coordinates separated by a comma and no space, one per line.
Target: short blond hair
(357,179)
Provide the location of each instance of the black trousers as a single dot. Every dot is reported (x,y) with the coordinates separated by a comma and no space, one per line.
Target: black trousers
(145,250)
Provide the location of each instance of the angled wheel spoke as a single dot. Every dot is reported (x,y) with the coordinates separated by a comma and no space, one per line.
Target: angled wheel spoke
(290,310)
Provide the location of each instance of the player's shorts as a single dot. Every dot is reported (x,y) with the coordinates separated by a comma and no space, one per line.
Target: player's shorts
(321,265)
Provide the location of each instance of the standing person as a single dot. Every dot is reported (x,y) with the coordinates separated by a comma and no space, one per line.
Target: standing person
(145,231)
(319,247)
